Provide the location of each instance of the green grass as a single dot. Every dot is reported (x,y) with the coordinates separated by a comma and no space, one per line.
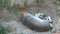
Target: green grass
(4,30)
(4,3)
(39,2)
(7,19)
(58,14)
(57,2)
(7,4)
(12,9)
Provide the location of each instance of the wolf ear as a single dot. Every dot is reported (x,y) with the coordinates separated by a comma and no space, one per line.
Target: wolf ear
(24,9)
(18,7)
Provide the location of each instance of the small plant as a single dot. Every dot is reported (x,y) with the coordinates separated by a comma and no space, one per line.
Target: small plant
(53,30)
(7,19)
(57,2)
(12,9)
(22,33)
(1,4)
(58,14)
(7,4)
(39,2)
(4,3)
(4,30)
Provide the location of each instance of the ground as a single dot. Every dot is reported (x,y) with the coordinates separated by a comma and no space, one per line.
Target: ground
(49,9)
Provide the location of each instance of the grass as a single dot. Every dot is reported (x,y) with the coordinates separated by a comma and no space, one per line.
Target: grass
(4,30)
(12,9)
(7,4)
(22,33)
(4,3)
(1,4)
(7,19)
(58,14)
(39,2)
(57,2)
